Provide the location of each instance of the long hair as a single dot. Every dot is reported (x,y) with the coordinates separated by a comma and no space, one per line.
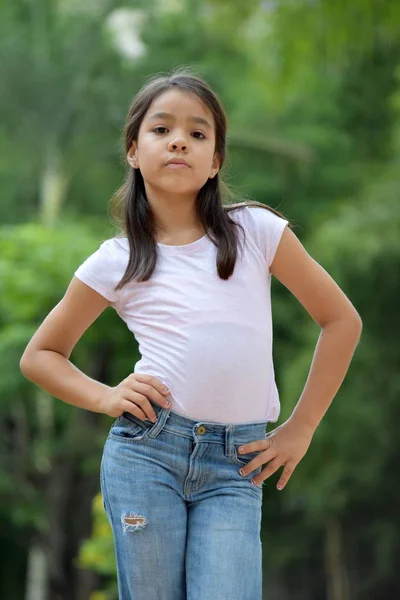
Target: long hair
(130,209)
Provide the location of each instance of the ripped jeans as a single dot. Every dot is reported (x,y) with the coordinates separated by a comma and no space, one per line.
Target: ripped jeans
(186,525)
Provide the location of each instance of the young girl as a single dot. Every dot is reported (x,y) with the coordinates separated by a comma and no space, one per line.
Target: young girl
(183,468)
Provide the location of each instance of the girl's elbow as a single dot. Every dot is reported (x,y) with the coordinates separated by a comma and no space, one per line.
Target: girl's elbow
(355,323)
(358,321)
(350,321)
(25,365)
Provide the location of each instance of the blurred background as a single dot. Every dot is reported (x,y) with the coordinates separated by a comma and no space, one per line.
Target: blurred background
(312,93)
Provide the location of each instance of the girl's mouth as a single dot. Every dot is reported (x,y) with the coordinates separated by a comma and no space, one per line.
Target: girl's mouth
(177,166)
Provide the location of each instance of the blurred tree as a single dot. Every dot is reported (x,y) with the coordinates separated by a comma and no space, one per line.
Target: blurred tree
(50,451)
(60,76)
(312,108)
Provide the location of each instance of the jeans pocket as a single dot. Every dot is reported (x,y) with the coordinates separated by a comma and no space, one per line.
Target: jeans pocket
(128,428)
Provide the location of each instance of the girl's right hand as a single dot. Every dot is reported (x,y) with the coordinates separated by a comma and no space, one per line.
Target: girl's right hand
(131,395)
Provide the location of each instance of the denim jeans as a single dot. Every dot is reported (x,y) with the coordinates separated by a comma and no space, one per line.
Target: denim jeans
(186,525)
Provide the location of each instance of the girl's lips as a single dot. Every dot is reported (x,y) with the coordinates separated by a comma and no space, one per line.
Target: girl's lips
(177,166)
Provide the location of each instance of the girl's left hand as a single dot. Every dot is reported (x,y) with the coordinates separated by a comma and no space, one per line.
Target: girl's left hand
(284,446)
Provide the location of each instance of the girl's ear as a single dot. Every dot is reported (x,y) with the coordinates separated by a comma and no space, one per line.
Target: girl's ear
(132,156)
(215,165)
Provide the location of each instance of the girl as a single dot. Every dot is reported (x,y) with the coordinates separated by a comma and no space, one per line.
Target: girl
(185,460)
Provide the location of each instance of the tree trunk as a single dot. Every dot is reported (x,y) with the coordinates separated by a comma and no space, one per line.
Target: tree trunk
(36,577)
(38,568)
(335,568)
(53,187)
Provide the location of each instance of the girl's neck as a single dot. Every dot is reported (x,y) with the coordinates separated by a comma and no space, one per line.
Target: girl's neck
(180,238)
(175,219)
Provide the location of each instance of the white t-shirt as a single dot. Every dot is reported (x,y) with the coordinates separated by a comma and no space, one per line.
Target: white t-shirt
(209,340)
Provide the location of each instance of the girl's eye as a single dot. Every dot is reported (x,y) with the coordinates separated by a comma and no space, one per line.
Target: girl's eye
(164,129)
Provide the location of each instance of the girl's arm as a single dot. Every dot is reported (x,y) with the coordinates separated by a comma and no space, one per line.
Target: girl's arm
(45,360)
(46,363)
(340,332)
(340,323)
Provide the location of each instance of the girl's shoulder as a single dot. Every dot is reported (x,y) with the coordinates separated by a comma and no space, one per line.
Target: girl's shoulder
(103,269)
(263,225)
(259,220)
(119,243)
(113,252)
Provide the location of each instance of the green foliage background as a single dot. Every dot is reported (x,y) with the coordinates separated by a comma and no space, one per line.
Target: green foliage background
(312,94)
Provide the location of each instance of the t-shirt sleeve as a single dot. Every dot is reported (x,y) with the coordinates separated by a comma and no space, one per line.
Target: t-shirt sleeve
(268,230)
(98,272)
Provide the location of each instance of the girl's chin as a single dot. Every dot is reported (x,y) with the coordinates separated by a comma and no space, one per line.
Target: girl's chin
(172,190)
(173,185)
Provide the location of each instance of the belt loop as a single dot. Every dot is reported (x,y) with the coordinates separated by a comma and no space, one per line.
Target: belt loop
(229,437)
(162,417)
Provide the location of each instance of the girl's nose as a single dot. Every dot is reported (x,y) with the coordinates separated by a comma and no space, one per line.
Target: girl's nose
(177,145)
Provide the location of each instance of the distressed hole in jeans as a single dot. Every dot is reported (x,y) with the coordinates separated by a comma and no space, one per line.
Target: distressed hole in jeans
(132,522)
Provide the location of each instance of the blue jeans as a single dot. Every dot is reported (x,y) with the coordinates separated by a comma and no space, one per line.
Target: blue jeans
(186,524)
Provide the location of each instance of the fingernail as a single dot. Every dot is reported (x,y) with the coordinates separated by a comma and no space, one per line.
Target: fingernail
(253,482)
(167,403)
(279,487)
(241,472)
(165,390)
(240,449)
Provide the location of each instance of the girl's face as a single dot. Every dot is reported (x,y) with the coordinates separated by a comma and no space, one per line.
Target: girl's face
(176,126)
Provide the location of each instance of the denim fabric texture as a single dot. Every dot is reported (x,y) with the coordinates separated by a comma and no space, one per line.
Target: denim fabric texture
(186,524)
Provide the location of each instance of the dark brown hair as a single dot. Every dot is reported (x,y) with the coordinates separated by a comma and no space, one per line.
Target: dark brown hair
(130,209)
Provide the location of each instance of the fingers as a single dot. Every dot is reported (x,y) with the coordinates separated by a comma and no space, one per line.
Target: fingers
(140,403)
(260,460)
(134,409)
(149,386)
(273,456)
(139,388)
(258,445)
(268,442)
(284,478)
(267,471)
(152,381)
(271,468)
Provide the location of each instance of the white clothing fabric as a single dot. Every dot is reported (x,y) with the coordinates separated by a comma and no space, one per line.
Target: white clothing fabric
(208,340)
